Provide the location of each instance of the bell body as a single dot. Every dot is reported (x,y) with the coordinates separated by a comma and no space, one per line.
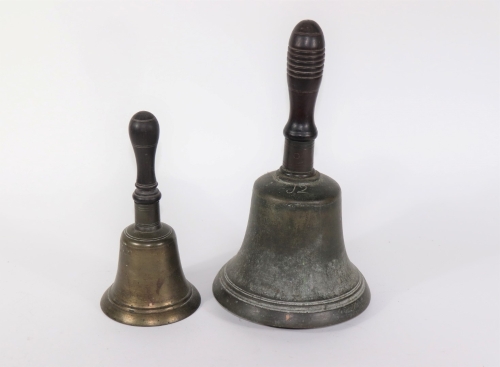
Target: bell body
(150,288)
(292,270)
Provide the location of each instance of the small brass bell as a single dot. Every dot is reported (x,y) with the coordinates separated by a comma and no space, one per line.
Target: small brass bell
(292,270)
(150,288)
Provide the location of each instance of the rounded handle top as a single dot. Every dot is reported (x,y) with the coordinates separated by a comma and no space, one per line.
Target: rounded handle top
(144,129)
(306,51)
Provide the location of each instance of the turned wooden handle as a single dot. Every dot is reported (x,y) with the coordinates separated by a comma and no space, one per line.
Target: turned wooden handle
(144,132)
(306,58)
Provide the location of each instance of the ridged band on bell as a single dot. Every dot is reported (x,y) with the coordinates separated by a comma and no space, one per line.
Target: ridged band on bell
(150,288)
(292,270)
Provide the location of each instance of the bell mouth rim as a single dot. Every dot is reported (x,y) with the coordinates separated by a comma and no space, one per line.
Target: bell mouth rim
(303,317)
(164,315)
(145,310)
(293,306)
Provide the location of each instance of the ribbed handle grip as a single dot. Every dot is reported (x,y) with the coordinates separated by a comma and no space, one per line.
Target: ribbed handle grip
(305,64)
(306,58)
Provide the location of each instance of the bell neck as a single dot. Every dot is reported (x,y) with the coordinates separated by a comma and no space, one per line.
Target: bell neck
(298,158)
(147,217)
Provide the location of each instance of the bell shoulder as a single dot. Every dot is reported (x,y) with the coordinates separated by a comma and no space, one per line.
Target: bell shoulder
(317,189)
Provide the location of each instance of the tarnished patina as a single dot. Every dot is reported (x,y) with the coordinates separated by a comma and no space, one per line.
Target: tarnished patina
(292,270)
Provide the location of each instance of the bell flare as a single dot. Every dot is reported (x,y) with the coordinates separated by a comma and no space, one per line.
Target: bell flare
(150,288)
(292,270)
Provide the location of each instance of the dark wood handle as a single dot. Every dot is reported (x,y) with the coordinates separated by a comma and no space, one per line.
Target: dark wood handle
(144,132)
(306,58)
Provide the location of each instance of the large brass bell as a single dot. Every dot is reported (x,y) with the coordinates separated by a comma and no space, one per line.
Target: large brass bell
(292,270)
(150,288)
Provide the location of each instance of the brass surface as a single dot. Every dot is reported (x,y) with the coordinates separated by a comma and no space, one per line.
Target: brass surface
(150,288)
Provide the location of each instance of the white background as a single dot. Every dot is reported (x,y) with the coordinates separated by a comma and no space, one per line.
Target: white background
(408,119)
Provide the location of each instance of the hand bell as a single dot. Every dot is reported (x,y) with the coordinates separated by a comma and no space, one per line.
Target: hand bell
(292,270)
(150,288)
